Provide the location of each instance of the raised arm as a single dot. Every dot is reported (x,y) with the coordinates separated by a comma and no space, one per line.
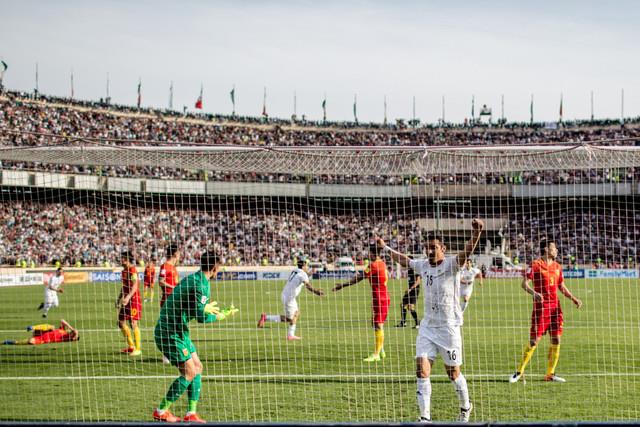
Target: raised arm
(398,257)
(477,226)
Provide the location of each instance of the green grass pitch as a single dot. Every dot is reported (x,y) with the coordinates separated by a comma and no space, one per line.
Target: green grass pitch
(255,375)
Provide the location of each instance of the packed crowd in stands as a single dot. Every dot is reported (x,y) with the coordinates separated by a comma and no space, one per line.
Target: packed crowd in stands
(96,234)
(28,122)
(599,237)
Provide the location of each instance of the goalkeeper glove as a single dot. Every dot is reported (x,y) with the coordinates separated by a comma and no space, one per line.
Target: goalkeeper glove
(212,308)
(226,312)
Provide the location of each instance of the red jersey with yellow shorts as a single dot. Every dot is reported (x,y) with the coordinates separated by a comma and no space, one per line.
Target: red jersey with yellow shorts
(149,276)
(377,275)
(52,336)
(546,315)
(171,277)
(133,310)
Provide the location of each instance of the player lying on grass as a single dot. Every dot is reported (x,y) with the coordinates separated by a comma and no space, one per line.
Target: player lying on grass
(440,328)
(297,279)
(376,272)
(547,278)
(48,334)
(189,300)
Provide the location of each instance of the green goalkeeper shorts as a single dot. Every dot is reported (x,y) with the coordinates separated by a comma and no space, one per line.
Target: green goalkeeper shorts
(176,348)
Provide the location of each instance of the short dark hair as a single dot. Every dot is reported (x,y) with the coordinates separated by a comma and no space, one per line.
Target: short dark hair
(126,255)
(208,260)
(544,244)
(172,249)
(302,261)
(435,236)
(59,269)
(374,250)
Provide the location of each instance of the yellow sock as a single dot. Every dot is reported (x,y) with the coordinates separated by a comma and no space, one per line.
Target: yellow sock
(146,293)
(526,356)
(127,334)
(379,333)
(43,327)
(552,361)
(136,336)
(151,294)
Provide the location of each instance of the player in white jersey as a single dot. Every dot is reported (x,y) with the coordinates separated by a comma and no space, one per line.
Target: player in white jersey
(297,280)
(466,276)
(440,328)
(51,290)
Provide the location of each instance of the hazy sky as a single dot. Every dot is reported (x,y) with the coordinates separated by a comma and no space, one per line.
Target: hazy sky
(400,49)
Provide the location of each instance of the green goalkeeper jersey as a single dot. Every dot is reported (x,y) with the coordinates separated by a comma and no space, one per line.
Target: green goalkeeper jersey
(186,302)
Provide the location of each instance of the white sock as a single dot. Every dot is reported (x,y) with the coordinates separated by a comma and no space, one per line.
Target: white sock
(424,397)
(273,317)
(463,305)
(460,386)
(292,330)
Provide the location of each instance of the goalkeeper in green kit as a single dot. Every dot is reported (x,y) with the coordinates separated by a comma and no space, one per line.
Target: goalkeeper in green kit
(188,301)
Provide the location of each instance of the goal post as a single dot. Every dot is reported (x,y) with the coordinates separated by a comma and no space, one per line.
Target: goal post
(263,209)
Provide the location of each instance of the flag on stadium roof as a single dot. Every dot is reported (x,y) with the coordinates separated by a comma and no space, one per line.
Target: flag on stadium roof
(324,108)
(199,100)
(561,107)
(264,103)
(139,92)
(232,94)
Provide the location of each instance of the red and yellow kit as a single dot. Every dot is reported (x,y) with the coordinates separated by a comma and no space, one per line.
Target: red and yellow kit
(149,276)
(169,273)
(133,310)
(377,275)
(546,315)
(52,336)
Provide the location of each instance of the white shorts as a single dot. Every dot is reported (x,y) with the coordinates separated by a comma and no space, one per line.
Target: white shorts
(290,307)
(446,340)
(51,300)
(466,290)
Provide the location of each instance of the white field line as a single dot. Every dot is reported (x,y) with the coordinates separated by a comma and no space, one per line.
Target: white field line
(504,376)
(340,328)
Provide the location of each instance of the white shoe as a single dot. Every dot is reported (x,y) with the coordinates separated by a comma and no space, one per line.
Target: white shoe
(515,377)
(424,420)
(554,378)
(465,414)
(165,361)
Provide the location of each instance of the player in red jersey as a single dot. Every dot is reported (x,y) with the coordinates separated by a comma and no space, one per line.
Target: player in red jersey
(169,278)
(129,305)
(149,280)
(376,272)
(48,334)
(547,278)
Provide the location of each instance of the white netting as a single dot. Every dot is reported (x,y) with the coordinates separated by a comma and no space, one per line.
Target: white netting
(59,206)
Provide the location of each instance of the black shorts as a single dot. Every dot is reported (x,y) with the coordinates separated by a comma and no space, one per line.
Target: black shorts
(411,297)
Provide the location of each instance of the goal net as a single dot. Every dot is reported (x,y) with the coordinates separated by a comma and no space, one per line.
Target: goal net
(79,205)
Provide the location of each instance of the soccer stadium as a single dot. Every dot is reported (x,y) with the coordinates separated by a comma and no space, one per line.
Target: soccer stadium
(164,264)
